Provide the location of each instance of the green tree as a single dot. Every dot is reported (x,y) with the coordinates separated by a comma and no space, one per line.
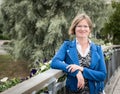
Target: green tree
(38,27)
(111,28)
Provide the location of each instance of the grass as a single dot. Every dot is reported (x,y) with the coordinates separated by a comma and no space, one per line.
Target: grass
(13,69)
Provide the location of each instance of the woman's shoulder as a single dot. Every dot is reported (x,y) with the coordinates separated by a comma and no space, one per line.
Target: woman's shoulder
(69,42)
(96,46)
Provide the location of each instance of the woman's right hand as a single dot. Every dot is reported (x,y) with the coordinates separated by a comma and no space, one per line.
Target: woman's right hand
(81,81)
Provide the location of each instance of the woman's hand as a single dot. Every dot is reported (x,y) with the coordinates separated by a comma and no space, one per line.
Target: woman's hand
(74,67)
(81,81)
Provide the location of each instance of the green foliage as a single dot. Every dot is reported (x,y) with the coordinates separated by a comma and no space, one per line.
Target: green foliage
(7,84)
(40,66)
(108,55)
(98,41)
(2,36)
(111,30)
(38,27)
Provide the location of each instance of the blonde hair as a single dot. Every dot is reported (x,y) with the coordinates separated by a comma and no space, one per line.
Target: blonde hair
(76,20)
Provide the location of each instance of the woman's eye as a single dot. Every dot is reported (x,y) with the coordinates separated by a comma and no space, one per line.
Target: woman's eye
(84,26)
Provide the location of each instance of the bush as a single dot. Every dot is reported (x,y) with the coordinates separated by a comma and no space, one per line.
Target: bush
(7,84)
(3,37)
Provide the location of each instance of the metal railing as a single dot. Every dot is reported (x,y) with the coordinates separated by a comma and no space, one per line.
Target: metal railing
(112,55)
(50,77)
(112,59)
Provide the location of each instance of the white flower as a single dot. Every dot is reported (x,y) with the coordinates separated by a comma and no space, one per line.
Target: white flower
(43,67)
(49,61)
(4,79)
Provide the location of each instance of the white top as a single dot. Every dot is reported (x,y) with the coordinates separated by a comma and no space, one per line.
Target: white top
(80,49)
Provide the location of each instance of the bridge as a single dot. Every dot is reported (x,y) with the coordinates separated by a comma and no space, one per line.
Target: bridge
(50,80)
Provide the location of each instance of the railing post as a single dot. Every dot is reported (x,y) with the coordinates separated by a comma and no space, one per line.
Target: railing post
(51,86)
(55,86)
(59,86)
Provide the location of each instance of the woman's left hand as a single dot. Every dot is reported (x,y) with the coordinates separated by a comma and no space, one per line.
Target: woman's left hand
(74,67)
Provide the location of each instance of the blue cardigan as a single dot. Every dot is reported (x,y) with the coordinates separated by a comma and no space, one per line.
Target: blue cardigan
(96,73)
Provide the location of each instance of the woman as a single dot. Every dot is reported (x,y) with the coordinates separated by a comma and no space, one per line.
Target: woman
(81,59)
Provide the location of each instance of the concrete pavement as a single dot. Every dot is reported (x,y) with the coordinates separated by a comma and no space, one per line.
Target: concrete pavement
(116,90)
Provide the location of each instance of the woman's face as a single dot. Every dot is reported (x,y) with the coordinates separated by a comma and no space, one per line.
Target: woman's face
(82,30)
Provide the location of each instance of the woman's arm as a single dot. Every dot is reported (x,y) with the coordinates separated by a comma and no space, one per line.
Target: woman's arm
(58,61)
(99,72)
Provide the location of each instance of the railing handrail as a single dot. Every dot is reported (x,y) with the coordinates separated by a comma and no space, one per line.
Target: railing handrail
(35,83)
(110,47)
(41,80)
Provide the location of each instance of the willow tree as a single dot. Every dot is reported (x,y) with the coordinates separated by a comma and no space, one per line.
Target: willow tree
(38,27)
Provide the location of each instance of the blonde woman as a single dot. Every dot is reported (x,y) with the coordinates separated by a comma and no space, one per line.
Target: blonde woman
(81,59)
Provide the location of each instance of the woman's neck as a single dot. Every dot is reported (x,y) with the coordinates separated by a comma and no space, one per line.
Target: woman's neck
(83,41)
